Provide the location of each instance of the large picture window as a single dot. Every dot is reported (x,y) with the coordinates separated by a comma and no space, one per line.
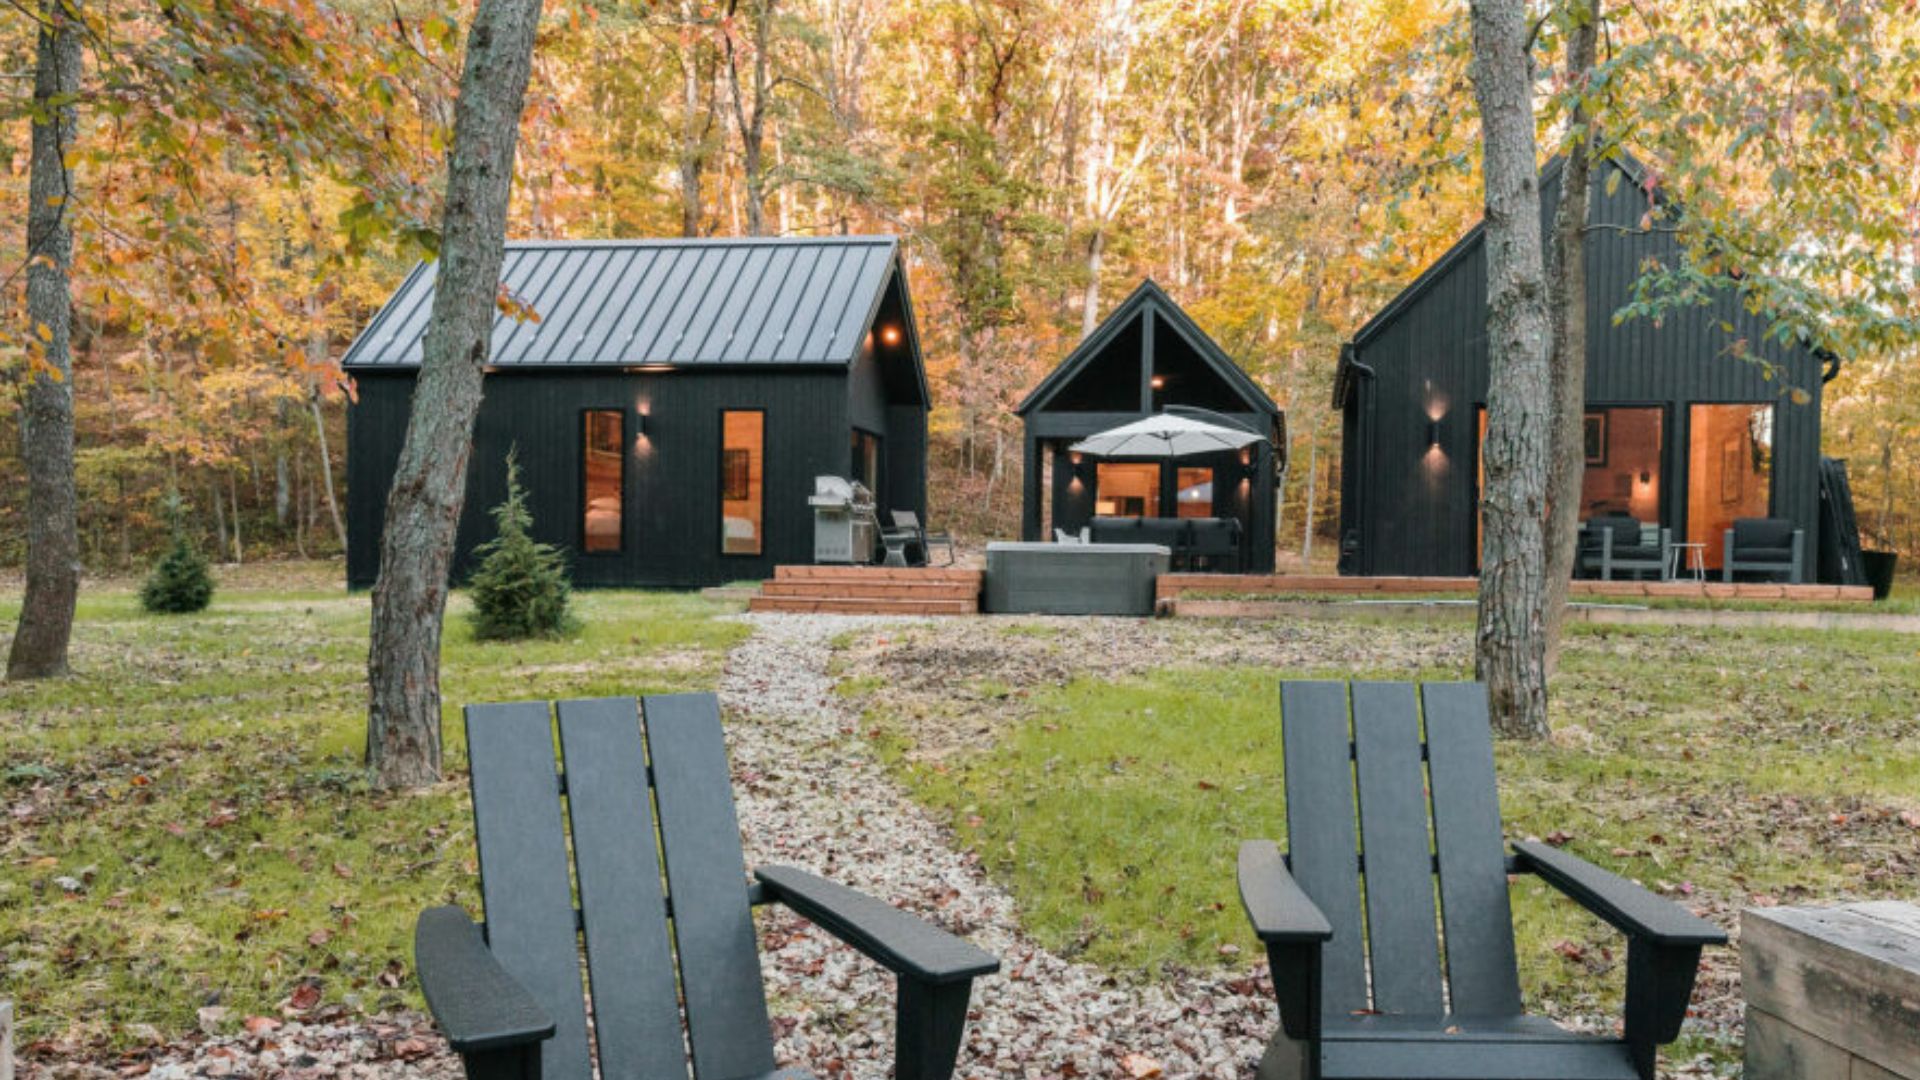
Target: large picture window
(1126,489)
(742,481)
(1729,471)
(604,460)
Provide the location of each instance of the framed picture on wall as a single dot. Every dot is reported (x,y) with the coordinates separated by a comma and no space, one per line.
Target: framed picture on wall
(734,465)
(1732,471)
(1595,430)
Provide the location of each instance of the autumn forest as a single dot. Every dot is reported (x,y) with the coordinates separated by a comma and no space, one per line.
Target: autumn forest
(249,183)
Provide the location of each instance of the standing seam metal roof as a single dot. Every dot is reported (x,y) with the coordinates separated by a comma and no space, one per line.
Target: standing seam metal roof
(795,300)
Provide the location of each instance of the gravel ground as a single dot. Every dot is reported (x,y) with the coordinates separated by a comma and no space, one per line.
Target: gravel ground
(811,795)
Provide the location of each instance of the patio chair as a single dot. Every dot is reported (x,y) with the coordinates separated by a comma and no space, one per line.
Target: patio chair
(1770,546)
(1379,1013)
(908,530)
(1616,543)
(508,995)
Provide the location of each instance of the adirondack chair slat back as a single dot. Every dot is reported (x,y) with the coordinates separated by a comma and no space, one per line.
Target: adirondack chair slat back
(524,884)
(629,955)
(713,923)
(631,945)
(1365,781)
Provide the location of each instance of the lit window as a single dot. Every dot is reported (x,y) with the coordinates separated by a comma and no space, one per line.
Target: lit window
(866,460)
(604,465)
(742,481)
(1194,493)
(1729,471)
(1126,489)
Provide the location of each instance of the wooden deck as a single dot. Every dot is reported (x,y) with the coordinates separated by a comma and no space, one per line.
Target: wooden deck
(870,590)
(1174,586)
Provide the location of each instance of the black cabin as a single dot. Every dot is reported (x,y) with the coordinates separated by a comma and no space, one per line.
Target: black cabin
(1147,355)
(670,407)
(1681,432)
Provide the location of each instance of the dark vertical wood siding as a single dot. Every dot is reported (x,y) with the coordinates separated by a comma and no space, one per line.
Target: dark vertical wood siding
(672,535)
(1415,512)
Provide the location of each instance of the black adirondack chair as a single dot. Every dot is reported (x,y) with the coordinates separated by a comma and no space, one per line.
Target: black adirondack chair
(508,996)
(1380,1013)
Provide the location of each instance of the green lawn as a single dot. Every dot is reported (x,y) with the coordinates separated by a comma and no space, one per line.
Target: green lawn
(188,825)
(1721,768)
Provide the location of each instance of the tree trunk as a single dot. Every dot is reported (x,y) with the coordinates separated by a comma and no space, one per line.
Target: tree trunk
(282,486)
(326,467)
(1567,302)
(219,519)
(690,135)
(752,123)
(1313,477)
(53,544)
(429,483)
(233,503)
(1090,300)
(1511,642)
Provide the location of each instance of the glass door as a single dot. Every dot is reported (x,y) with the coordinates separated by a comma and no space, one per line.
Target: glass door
(1729,471)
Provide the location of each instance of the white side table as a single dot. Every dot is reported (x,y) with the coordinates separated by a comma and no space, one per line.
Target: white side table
(1691,557)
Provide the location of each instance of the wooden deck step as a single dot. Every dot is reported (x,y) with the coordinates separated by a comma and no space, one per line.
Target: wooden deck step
(834,588)
(861,605)
(942,574)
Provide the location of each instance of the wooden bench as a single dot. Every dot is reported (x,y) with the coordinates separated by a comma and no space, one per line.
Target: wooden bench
(1832,993)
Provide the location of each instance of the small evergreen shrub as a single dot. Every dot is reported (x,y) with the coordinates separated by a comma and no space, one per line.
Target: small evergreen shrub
(180,583)
(520,589)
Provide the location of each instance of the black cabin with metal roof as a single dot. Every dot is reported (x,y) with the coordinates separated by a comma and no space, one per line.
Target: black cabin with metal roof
(670,405)
(1149,354)
(1681,431)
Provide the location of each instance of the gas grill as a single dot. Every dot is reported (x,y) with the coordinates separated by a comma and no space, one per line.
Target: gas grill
(845,524)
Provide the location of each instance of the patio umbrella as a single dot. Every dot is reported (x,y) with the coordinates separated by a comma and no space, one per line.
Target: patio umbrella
(1166,436)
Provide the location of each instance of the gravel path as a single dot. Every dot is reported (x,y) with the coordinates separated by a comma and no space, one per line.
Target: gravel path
(811,795)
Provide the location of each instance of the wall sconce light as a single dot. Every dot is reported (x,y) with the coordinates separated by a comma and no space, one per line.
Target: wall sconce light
(890,335)
(1433,434)
(1159,382)
(1075,458)
(1246,455)
(1645,477)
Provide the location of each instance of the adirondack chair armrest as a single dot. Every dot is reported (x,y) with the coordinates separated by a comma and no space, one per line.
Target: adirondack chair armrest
(935,969)
(902,943)
(1620,903)
(1279,910)
(479,1007)
(1293,929)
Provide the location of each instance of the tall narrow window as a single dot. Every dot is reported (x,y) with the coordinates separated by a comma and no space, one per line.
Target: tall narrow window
(866,460)
(603,468)
(1729,471)
(742,481)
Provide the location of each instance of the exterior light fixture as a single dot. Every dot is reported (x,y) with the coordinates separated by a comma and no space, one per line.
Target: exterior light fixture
(890,335)
(640,424)
(1159,382)
(1646,477)
(1433,434)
